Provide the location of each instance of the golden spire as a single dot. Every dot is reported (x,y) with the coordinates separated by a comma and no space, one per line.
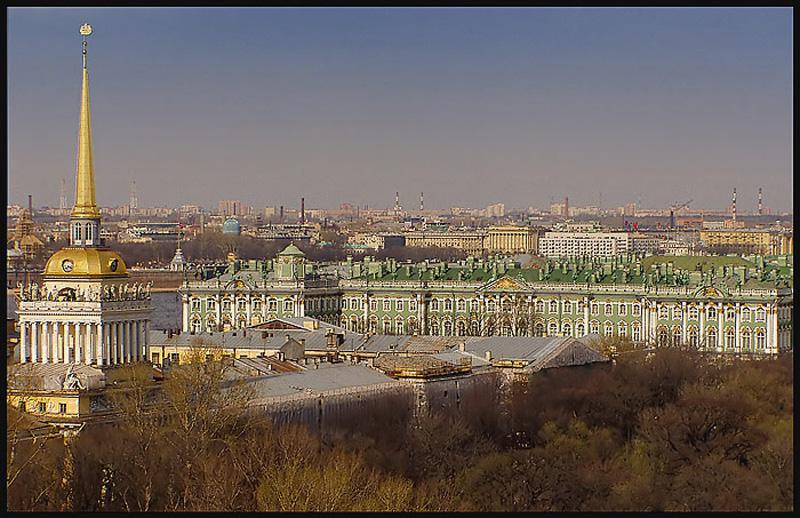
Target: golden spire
(85,205)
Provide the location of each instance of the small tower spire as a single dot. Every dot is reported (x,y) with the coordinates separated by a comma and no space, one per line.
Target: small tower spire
(85,204)
(85,219)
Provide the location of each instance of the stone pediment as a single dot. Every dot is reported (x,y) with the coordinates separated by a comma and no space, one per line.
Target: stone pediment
(506,283)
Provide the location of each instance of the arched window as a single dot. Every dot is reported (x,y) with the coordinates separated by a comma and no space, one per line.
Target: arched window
(676,336)
(663,313)
(745,314)
(434,304)
(663,336)
(272,305)
(608,328)
(461,328)
(196,326)
(711,337)
(211,325)
(211,304)
(540,306)
(594,327)
(711,312)
(761,339)
(461,305)
(636,332)
(622,329)
(448,328)
(552,328)
(241,305)
(373,324)
(491,306)
(195,304)
(474,306)
(344,303)
(226,305)
(567,306)
(692,312)
(693,336)
(730,314)
(747,344)
(475,328)
(434,328)
(761,315)
(448,304)
(553,306)
(538,329)
(730,339)
(288,305)
(566,328)
(387,327)
(399,327)
(609,310)
(89,228)
(676,312)
(636,310)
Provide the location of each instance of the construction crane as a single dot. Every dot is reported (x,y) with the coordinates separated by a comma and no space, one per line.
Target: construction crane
(676,207)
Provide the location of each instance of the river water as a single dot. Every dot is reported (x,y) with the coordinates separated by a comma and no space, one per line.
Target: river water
(166,310)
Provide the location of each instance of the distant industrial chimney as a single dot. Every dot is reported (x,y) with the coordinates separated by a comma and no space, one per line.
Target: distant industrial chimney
(134,202)
(280,218)
(760,206)
(302,211)
(397,203)
(566,206)
(421,201)
(62,198)
(733,205)
(30,204)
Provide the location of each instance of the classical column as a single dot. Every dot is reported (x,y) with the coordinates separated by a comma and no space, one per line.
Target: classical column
(738,342)
(702,336)
(99,344)
(118,343)
(34,342)
(137,340)
(586,315)
(45,342)
(23,357)
(720,324)
(146,340)
(79,348)
(123,342)
(185,304)
(684,318)
(66,358)
(250,310)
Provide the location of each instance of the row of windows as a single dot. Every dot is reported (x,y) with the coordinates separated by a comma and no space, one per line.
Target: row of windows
(78,231)
(711,313)
(665,337)
(42,407)
(241,305)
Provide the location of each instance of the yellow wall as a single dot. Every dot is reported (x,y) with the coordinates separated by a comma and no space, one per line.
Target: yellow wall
(76,404)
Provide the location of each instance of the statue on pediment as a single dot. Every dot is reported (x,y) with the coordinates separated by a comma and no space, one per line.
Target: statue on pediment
(71,380)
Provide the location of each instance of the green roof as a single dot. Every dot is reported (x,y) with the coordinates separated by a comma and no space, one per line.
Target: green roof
(292,250)
(691,263)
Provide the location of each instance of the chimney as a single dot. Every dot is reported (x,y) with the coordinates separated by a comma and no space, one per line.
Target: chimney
(488,356)
(733,205)
(30,204)
(421,202)
(280,218)
(302,211)
(760,207)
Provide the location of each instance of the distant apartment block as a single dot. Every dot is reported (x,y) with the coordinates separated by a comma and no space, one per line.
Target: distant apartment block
(572,244)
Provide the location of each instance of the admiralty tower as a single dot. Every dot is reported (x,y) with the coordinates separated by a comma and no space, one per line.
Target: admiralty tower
(85,312)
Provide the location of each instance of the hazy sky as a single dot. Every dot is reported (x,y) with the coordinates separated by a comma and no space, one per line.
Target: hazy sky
(471,106)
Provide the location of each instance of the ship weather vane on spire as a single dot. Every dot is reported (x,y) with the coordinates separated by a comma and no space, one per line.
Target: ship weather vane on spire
(86,30)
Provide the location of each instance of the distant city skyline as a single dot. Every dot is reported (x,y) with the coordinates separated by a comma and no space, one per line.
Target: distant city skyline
(471,106)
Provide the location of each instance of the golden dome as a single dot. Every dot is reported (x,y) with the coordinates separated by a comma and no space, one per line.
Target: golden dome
(85,262)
